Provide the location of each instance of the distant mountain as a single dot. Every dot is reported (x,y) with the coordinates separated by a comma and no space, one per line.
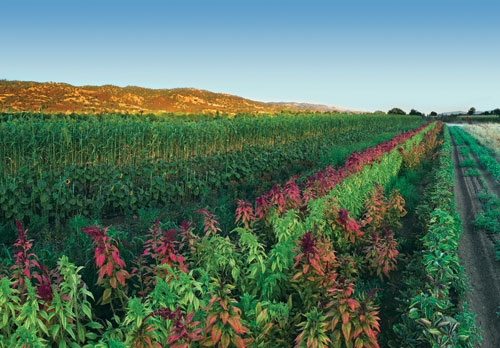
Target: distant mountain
(314,107)
(62,97)
(448,113)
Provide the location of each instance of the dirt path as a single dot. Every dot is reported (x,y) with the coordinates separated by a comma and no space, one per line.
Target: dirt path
(477,255)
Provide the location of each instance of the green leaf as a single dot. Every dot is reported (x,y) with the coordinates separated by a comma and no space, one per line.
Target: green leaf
(55,330)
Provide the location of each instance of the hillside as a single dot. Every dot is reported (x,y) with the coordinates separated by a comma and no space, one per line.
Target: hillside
(315,107)
(62,97)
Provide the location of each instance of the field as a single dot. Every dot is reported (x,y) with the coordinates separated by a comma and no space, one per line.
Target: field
(488,134)
(477,174)
(303,230)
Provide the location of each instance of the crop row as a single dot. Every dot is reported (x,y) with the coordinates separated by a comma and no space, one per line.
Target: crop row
(293,274)
(48,145)
(486,158)
(352,182)
(434,308)
(488,218)
(105,190)
(487,135)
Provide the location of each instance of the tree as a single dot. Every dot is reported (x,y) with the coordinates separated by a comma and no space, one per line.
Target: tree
(433,113)
(495,112)
(416,113)
(472,111)
(396,111)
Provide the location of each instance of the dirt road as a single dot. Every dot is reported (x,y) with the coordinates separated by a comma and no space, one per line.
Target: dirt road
(477,255)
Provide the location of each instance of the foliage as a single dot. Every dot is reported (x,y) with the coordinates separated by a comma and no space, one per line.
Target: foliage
(299,270)
(396,111)
(432,308)
(111,268)
(102,167)
(414,112)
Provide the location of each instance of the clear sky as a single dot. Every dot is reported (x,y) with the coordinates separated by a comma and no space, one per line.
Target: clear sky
(441,55)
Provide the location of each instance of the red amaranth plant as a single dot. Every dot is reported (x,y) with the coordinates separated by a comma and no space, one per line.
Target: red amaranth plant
(376,209)
(342,223)
(211,225)
(313,331)
(167,252)
(262,206)
(366,323)
(25,260)
(316,264)
(351,322)
(383,212)
(223,325)
(341,310)
(188,239)
(244,213)
(381,253)
(111,268)
(307,246)
(163,249)
(184,331)
(46,279)
(417,152)
(161,245)
(292,194)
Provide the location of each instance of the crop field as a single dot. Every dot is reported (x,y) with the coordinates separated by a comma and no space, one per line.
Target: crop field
(477,174)
(488,134)
(313,230)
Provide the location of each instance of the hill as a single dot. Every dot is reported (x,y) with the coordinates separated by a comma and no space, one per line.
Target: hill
(66,98)
(315,107)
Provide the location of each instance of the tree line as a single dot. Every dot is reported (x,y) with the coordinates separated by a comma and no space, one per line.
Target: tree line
(414,112)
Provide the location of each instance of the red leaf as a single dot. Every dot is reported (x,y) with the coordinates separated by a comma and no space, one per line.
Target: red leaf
(224,316)
(236,325)
(100,260)
(120,277)
(211,318)
(225,340)
(115,257)
(238,342)
(109,268)
(216,333)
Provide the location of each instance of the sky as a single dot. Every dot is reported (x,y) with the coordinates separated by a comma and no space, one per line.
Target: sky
(441,55)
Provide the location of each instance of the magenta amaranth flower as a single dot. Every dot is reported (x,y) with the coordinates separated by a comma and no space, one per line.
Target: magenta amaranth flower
(44,291)
(343,215)
(95,232)
(307,243)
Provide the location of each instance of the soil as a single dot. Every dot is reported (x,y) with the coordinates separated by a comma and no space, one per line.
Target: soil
(477,255)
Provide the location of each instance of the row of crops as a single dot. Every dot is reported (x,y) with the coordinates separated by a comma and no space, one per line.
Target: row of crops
(486,134)
(100,173)
(488,218)
(47,145)
(438,307)
(311,264)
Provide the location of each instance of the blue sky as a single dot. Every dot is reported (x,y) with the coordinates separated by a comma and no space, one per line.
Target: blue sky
(441,55)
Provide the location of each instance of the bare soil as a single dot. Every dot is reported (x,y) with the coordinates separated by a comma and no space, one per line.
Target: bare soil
(477,254)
